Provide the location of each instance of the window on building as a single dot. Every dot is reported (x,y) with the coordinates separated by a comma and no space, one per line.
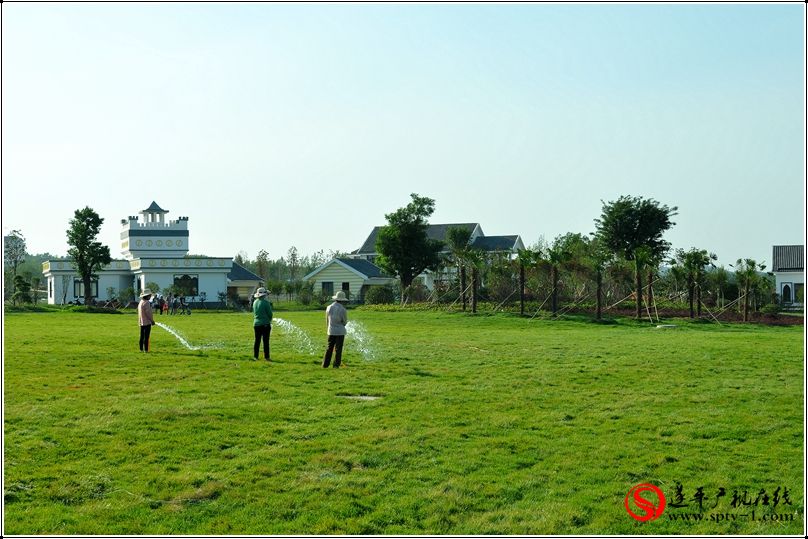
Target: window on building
(78,288)
(50,288)
(189,284)
(346,287)
(785,294)
(328,288)
(799,292)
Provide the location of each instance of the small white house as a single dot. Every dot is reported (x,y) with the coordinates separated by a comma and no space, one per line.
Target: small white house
(788,266)
(351,275)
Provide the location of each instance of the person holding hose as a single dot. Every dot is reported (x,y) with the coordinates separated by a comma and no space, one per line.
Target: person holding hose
(145,317)
(336,317)
(262,321)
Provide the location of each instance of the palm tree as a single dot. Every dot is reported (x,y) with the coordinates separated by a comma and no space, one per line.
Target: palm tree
(746,272)
(597,257)
(458,241)
(718,279)
(525,258)
(692,265)
(476,259)
(560,253)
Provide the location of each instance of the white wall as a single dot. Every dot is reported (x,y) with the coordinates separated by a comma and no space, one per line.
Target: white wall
(212,284)
(790,277)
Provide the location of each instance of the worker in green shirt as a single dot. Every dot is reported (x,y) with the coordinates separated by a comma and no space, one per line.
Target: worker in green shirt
(262,321)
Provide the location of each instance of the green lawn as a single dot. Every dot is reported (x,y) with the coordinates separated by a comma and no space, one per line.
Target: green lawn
(484,425)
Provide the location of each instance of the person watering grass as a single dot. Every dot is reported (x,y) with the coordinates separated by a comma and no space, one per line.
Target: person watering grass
(336,316)
(262,321)
(145,317)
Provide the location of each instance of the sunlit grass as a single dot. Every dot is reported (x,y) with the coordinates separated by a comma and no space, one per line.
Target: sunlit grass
(484,425)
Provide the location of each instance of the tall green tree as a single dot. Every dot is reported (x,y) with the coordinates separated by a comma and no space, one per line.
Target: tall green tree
(632,227)
(404,248)
(87,254)
(22,293)
(458,242)
(262,264)
(14,252)
(293,261)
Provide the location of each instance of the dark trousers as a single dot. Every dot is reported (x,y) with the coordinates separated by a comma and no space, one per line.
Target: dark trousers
(145,331)
(334,342)
(261,333)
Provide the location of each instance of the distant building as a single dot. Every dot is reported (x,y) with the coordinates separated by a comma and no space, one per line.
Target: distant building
(154,251)
(788,266)
(353,276)
(242,283)
(506,245)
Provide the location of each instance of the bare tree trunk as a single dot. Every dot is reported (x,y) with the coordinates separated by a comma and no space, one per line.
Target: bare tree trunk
(406,282)
(698,300)
(88,292)
(463,285)
(690,298)
(746,302)
(554,280)
(650,286)
(521,290)
(474,289)
(638,274)
(599,280)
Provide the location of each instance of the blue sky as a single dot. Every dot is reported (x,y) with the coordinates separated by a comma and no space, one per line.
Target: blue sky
(276,125)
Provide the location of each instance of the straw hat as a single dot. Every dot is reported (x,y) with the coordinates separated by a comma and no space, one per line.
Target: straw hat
(260,293)
(340,296)
(146,292)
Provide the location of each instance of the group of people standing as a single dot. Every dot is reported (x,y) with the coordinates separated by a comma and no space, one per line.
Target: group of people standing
(170,305)
(336,316)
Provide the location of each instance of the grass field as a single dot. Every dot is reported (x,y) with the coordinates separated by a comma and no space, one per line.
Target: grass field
(483,425)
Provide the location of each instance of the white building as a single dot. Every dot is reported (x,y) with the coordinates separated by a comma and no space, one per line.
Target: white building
(154,251)
(788,266)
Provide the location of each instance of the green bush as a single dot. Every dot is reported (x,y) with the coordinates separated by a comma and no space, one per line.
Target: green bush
(380,295)
(771,308)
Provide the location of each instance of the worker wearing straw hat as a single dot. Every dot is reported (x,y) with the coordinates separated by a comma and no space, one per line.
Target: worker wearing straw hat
(336,317)
(145,318)
(262,321)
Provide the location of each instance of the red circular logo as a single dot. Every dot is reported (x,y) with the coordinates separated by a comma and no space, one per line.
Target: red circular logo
(648,509)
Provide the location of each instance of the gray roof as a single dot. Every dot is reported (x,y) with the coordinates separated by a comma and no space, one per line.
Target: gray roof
(495,243)
(787,258)
(434,232)
(240,273)
(154,208)
(363,266)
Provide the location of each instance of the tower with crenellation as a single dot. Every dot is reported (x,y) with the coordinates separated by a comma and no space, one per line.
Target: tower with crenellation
(153,236)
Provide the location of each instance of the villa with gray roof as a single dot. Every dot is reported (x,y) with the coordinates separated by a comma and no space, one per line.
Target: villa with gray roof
(508,245)
(788,266)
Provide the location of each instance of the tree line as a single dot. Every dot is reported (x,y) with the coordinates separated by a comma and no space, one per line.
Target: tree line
(625,258)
